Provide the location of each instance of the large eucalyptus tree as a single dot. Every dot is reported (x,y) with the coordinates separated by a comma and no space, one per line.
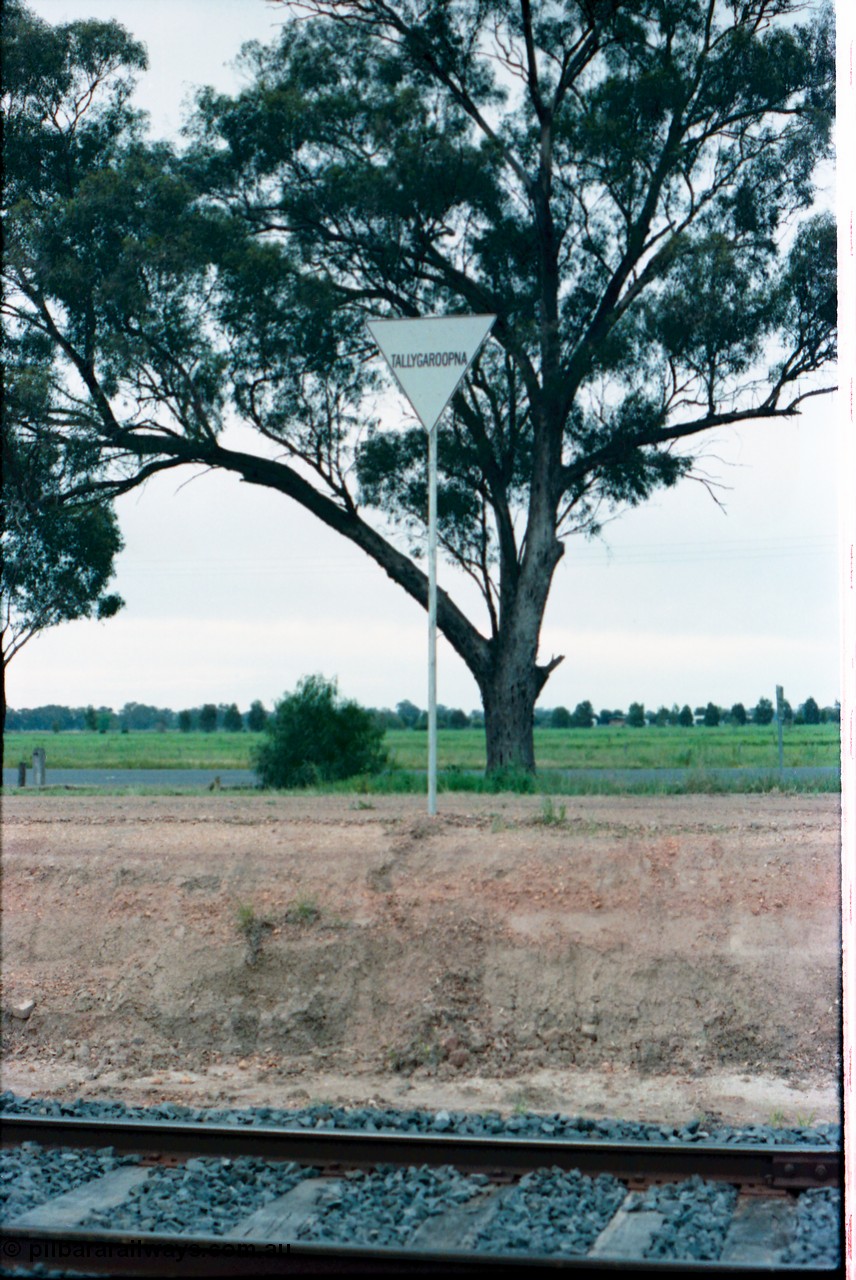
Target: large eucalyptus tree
(628,187)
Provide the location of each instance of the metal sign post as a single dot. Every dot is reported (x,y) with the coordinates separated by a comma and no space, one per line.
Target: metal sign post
(429,359)
(780,717)
(432,621)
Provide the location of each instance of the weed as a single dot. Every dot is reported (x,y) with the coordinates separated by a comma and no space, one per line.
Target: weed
(552,815)
(252,929)
(303,911)
(361,804)
(418,1053)
(777,1119)
(805,1121)
(246,914)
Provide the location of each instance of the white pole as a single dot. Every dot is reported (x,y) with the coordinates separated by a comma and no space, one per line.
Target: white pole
(780,716)
(432,621)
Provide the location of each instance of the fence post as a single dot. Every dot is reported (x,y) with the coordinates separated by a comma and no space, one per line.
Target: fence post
(39,767)
(22,773)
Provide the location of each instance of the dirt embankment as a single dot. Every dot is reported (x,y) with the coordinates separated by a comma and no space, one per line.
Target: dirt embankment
(640,956)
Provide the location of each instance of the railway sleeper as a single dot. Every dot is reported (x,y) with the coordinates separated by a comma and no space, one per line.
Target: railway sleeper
(760,1231)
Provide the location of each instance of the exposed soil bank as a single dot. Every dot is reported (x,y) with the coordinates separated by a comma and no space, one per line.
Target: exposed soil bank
(646,957)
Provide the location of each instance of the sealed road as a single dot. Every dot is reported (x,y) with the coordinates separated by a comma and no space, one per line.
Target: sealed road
(195,778)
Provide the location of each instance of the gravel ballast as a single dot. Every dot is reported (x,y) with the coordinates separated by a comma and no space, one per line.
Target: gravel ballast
(203,1196)
(486,1124)
(385,1207)
(547,1212)
(552,1211)
(697,1217)
(30,1174)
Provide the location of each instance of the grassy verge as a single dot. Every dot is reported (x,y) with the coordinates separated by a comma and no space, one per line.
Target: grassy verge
(555,783)
(546,784)
(752,746)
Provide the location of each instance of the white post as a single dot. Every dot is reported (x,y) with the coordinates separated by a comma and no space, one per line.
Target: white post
(432,621)
(780,716)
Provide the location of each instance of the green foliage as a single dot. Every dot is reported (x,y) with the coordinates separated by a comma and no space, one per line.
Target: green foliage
(685,717)
(303,911)
(256,717)
(408,713)
(185,721)
(738,714)
(233,721)
(711,716)
(811,712)
(560,718)
(313,736)
(208,717)
(462,758)
(139,716)
(763,712)
(583,716)
(636,715)
(246,914)
(59,539)
(552,815)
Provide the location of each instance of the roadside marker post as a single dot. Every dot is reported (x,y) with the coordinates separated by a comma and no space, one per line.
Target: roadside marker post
(429,359)
(780,720)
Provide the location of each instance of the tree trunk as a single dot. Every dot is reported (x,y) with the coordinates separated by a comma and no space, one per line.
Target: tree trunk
(514,681)
(509,708)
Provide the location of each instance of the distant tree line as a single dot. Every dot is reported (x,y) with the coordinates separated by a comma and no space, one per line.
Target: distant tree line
(710,716)
(137,717)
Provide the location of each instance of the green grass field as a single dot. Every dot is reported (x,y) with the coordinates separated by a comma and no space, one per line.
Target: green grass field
(698,748)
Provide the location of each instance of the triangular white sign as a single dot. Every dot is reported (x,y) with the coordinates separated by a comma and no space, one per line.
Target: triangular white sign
(429,357)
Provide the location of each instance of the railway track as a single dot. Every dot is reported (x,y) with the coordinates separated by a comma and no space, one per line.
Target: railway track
(419,1204)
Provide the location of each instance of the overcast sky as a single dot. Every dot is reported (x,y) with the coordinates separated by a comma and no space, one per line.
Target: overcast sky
(233,593)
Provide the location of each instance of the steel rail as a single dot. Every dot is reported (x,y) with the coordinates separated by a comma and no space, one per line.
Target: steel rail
(774,1168)
(124,1253)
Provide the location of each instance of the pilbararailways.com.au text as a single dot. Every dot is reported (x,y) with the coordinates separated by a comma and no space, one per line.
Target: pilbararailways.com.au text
(63,1250)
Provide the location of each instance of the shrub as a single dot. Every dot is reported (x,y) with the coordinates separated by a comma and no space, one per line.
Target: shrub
(408,713)
(256,717)
(636,715)
(233,721)
(583,716)
(764,712)
(314,736)
(208,718)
